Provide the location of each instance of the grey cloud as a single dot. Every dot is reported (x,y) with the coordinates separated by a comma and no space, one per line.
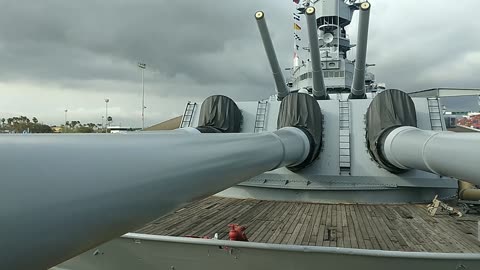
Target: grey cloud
(414,42)
(208,42)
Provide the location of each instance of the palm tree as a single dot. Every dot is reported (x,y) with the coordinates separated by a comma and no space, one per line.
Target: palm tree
(74,123)
(3,122)
(34,120)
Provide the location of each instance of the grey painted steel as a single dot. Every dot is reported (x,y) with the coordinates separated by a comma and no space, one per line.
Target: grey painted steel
(413,148)
(64,194)
(319,91)
(358,85)
(393,195)
(148,252)
(282,90)
(323,177)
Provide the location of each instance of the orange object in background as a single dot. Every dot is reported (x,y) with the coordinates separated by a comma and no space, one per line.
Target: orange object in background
(237,232)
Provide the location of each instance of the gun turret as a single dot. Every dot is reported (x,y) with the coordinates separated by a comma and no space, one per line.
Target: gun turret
(282,90)
(358,85)
(396,143)
(319,90)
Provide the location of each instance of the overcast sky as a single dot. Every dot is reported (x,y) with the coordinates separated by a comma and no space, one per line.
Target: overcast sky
(58,54)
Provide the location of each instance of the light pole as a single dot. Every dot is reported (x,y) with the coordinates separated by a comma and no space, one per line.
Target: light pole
(65,128)
(143,66)
(106,114)
(103,122)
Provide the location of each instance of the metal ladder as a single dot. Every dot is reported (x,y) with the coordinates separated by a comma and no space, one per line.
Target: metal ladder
(344,117)
(435,114)
(260,118)
(188,114)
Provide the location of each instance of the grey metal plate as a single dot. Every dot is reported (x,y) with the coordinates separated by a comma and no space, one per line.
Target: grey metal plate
(147,252)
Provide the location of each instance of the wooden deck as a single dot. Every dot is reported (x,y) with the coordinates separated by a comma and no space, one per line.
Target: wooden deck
(381,227)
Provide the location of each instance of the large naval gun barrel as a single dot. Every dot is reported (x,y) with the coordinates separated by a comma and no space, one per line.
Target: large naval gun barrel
(282,90)
(358,85)
(319,90)
(62,195)
(396,143)
(443,153)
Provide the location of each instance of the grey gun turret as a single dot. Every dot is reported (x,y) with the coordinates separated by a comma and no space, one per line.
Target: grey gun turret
(319,91)
(358,85)
(282,90)
(396,143)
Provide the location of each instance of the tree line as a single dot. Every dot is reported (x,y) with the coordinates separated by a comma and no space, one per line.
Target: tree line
(21,124)
(78,127)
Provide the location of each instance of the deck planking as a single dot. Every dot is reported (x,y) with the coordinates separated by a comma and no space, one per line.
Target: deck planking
(383,227)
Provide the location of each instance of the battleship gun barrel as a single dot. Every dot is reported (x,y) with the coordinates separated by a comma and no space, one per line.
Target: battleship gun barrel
(62,195)
(282,90)
(319,91)
(443,153)
(358,85)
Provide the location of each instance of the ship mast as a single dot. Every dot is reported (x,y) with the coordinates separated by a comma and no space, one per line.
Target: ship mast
(332,17)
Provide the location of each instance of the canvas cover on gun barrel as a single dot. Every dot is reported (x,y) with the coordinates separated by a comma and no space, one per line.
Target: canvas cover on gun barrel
(219,114)
(389,109)
(302,111)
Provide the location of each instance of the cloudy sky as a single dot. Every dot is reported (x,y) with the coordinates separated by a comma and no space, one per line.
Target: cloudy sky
(58,54)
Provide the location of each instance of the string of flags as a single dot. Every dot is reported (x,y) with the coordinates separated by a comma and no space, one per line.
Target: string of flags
(296,27)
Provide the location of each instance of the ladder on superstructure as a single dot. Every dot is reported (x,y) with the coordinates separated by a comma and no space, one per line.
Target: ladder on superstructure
(188,114)
(435,114)
(344,137)
(260,117)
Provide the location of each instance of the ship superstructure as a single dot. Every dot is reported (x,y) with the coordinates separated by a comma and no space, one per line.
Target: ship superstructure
(332,19)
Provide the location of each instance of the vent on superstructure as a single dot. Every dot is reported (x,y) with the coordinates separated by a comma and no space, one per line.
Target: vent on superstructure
(188,114)
(326,74)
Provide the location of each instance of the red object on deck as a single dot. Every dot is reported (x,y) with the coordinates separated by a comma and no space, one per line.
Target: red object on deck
(237,233)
